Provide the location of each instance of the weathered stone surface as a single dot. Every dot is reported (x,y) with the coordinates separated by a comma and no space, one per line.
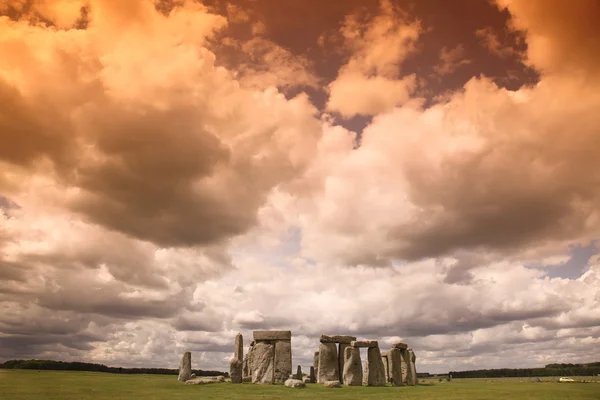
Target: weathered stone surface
(366,372)
(412,369)
(238,350)
(376,372)
(283,360)
(260,363)
(353,374)
(295,383)
(272,335)
(236,368)
(337,339)
(202,380)
(299,373)
(341,348)
(395,366)
(386,366)
(311,376)
(316,361)
(247,379)
(245,372)
(193,376)
(404,366)
(185,367)
(306,379)
(328,363)
(364,343)
(400,345)
(332,384)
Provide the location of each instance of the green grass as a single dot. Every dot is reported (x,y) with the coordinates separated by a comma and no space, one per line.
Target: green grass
(51,385)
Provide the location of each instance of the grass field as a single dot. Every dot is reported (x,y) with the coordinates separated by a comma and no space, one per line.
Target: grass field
(51,385)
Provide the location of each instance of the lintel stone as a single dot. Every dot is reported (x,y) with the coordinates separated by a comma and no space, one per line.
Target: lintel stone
(272,335)
(364,343)
(337,339)
(400,345)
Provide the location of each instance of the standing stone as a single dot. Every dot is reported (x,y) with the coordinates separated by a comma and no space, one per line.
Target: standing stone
(283,360)
(245,367)
(328,363)
(365,379)
(412,367)
(353,375)
(404,367)
(185,368)
(395,365)
(316,362)
(410,373)
(236,368)
(341,349)
(376,372)
(299,373)
(312,377)
(386,366)
(260,363)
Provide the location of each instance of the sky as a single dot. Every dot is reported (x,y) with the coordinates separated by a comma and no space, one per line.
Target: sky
(175,172)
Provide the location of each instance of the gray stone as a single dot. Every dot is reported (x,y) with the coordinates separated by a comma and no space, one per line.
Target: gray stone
(376,375)
(295,383)
(412,368)
(364,343)
(332,384)
(236,370)
(299,373)
(400,345)
(193,376)
(312,377)
(185,367)
(403,366)
(260,363)
(238,350)
(410,378)
(366,372)
(203,380)
(337,339)
(341,348)
(245,372)
(247,379)
(306,379)
(395,367)
(283,360)
(353,374)
(328,363)
(316,361)
(272,335)
(386,366)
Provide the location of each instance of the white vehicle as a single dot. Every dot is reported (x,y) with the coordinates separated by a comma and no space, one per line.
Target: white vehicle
(565,379)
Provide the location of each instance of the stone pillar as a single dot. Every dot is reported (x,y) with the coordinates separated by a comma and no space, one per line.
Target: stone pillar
(365,379)
(395,365)
(328,363)
(376,371)
(412,368)
(352,374)
(313,378)
(283,360)
(236,366)
(299,373)
(410,372)
(386,366)
(341,355)
(185,367)
(260,362)
(316,361)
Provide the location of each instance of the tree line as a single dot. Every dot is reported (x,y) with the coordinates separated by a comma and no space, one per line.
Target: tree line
(590,369)
(83,366)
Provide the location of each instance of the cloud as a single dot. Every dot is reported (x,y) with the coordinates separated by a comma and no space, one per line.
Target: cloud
(370,83)
(490,40)
(451,60)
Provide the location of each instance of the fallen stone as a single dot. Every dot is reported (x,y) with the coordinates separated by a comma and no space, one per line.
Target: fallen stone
(364,343)
(260,363)
(294,383)
(185,367)
(247,379)
(376,375)
(337,339)
(236,370)
(328,363)
(272,335)
(203,380)
(311,376)
(395,367)
(299,373)
(332,384)
(400,345)
(282,360)
(306,379)
(352,373)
